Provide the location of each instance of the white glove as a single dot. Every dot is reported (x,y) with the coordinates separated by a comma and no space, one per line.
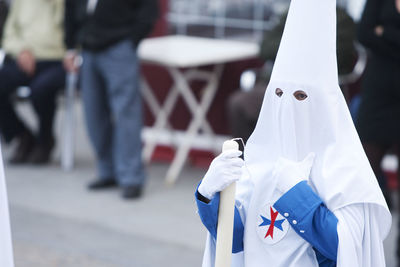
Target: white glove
(289,173)
(224,170)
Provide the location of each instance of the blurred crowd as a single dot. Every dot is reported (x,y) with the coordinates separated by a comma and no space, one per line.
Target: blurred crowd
(41,41)
(44,39)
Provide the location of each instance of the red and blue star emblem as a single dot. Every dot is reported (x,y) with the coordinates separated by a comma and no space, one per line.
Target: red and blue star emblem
(272,223)
(271,226)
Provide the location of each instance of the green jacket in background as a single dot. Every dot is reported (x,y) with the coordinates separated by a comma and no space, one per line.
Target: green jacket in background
(35,25)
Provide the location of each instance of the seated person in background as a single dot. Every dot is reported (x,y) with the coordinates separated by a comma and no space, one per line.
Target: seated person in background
(244,107)
(33,43)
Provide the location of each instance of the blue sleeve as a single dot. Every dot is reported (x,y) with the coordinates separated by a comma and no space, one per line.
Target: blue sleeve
(312,220)
(209,216)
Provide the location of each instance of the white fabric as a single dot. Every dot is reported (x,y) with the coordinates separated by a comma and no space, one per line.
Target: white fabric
(356,238)
(224,170)
(321,124)
(6,254)
(289,173)
(292,250)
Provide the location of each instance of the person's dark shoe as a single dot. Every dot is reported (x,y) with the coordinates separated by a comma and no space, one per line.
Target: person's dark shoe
(26,142)
(41,154)
(102,183)
(132,191)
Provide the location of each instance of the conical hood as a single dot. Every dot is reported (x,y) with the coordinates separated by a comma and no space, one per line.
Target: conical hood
(308,47)
(304,112)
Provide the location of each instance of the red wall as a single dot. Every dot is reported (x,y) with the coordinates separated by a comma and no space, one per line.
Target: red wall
(161,82)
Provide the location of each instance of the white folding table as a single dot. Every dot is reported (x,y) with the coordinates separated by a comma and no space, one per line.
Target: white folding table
(182,56)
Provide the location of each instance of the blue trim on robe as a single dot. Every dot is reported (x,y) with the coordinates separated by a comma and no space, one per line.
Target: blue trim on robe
(314,221)
(303,205)
(209,216)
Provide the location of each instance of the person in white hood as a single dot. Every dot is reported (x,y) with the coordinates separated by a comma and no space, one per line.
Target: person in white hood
(306,194)
(6,253)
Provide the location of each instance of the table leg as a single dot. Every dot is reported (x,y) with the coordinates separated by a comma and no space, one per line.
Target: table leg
(161,121)
(200,110)
(161,114)
(149,97)
(198,75)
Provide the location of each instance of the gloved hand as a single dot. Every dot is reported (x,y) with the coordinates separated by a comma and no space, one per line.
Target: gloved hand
(224,170)
(289,173)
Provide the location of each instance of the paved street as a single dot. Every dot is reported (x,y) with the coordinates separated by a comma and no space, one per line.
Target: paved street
(56,222)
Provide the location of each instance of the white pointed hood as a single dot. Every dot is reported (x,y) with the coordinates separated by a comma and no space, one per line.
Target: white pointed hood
(321,123)
(292,128)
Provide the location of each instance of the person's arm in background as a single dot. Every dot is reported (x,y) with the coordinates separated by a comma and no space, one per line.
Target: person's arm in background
(146,15)
(14,42)
(12,37)
(368,35)
(70,24)
(71,27)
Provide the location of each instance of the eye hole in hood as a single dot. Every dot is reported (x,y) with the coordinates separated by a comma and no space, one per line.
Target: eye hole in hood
(279,92)
(300,95)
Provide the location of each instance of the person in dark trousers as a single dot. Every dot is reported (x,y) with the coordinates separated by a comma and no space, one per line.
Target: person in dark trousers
(378,121)
(34,51)
(244,107)
(109,32)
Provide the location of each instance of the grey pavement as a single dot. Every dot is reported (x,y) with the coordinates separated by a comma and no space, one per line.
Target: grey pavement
(56,222)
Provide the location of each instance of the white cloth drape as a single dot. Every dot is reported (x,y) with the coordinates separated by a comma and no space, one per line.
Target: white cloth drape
(6,253)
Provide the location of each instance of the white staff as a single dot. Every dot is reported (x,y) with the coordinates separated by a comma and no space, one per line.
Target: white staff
(225,218)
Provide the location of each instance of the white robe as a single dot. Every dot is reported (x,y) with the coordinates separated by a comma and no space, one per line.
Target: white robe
(6,253)
(292,128)
(360,241)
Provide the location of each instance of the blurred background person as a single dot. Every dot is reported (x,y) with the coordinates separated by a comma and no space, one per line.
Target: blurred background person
(244,106)
(33,43)
(109,32)
(3,15)
(378,121)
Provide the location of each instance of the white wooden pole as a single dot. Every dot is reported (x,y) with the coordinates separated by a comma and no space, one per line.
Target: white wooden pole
(223,253)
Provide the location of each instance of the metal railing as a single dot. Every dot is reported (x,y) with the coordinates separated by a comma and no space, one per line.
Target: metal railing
(256,16)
